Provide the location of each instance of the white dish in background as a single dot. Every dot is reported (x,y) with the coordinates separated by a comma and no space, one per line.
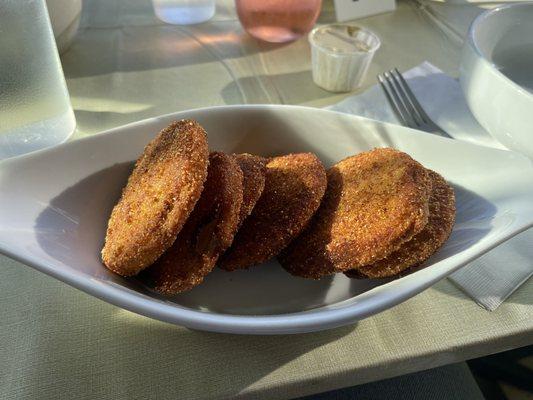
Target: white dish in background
(497,74)
(53,218)
(65,18)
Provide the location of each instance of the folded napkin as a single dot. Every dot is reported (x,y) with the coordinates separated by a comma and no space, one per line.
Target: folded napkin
(492,278)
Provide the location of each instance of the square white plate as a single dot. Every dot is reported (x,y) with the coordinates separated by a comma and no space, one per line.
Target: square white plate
(54,206)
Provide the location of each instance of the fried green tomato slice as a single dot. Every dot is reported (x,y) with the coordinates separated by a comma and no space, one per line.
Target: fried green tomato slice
(161,192)
(294,187)
(209,231)
(423,245)
(375,201)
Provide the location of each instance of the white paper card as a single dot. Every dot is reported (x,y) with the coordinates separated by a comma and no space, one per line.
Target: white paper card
(346,10)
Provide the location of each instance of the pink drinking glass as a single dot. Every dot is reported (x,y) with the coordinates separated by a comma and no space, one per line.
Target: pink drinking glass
(278,20)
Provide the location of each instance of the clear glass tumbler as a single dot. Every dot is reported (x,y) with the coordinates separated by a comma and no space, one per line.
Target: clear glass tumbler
(278,20)
(184,12)
(35,110)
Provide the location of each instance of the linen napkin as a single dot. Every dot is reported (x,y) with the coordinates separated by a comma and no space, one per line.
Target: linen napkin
(492,278)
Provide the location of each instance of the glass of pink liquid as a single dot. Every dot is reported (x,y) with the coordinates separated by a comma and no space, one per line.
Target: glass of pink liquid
(278,20)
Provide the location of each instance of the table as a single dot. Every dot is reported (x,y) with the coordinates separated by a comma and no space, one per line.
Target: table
(58,342)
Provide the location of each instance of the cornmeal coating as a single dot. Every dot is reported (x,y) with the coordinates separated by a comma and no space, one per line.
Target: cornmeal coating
(423,245)
(161,192)
(208,232)
(294,187)
(375,201)
(254,175)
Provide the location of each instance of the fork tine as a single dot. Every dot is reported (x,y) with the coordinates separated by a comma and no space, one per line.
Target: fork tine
(396,94)
(393,91)
(391,101)
(404,96)
(420,111)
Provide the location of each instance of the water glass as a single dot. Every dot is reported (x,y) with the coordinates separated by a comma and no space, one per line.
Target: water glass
(184,12)
(35,110)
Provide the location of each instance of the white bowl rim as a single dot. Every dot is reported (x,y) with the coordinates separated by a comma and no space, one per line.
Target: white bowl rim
(472,34)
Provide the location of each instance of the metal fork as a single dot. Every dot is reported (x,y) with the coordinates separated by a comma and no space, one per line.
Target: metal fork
(404,103)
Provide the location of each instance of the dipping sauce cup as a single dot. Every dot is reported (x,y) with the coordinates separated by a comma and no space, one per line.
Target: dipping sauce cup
(341,55)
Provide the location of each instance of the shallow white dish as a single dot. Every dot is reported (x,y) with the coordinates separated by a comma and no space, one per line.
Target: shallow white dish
(496,74)
(55,204)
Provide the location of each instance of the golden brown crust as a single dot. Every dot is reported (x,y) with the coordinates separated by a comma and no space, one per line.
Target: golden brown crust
(424,244)
(254,176)
(375,201)
(294,187)
(160,194)
(208,232)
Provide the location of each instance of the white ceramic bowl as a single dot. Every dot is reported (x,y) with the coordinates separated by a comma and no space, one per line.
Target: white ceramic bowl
(497,74)
(65,18)
(54,206)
